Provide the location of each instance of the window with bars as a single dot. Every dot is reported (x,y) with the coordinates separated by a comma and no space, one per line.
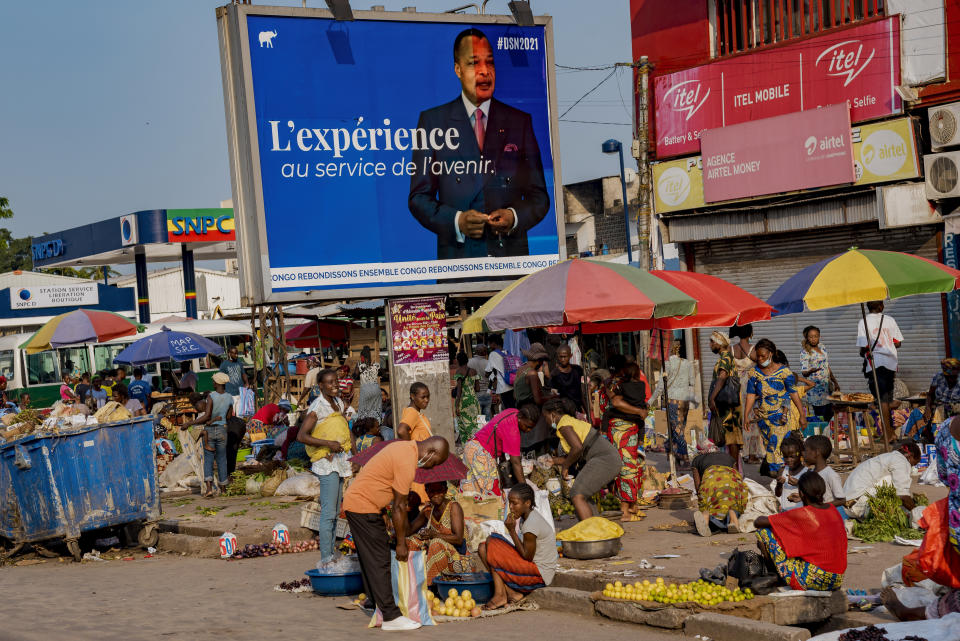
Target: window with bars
(743,25)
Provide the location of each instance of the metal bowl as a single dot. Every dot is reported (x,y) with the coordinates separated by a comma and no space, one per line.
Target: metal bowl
(591,549)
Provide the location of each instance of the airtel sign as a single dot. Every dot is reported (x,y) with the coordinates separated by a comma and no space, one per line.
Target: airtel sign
(860,65)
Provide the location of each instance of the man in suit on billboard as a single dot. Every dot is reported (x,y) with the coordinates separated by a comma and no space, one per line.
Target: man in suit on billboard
(488,212)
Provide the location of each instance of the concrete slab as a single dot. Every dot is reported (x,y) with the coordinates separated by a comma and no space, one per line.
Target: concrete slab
(563,600)
(721,627)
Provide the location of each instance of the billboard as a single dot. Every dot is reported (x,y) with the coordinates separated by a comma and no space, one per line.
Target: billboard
(801,150)
(397,153)
(884,151)
(859,65)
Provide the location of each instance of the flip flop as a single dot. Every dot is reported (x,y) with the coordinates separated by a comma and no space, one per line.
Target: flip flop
(488,607)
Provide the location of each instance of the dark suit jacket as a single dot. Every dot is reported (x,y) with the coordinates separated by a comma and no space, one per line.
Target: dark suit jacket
(516,180)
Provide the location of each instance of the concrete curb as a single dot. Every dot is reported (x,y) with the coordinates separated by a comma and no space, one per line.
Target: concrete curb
(564,600)
(722,627)
(203,547)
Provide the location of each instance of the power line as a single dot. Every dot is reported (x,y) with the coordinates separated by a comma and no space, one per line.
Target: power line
(597,122)
(595,87)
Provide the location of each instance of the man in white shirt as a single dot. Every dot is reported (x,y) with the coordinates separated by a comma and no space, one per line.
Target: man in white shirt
(892,468)
(884,341)
(496,365)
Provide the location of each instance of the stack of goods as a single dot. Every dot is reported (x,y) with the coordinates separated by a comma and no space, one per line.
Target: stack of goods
(857,397)
(700,592)
(886,519)
(111,412)
(255,550)
(456,605)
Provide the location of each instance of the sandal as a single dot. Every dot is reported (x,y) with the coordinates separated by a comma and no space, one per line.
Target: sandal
(490,606)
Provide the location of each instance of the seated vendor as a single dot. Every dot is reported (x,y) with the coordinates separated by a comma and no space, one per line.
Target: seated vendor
(808,545)
(892,468)
(440,531)
(721,493)
(525,561)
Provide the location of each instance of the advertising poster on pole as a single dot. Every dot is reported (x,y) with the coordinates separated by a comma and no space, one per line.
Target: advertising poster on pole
(419,353)
(396,152)
(419,330)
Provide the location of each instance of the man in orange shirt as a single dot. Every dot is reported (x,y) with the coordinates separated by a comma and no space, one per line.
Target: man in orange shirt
(384,482)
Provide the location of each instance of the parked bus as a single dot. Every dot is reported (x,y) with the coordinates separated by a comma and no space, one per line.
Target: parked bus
(39,374)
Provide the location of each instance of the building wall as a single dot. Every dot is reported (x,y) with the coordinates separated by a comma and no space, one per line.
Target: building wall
(166,291)
(594,215)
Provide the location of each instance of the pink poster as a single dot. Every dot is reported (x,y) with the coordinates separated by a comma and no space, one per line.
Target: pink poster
(801,150)
(859,65)
(419,330)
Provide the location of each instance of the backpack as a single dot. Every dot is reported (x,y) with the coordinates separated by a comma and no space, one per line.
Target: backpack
(511,364)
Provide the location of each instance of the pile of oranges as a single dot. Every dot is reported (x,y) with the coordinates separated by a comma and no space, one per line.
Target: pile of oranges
(456,605)
(700,592)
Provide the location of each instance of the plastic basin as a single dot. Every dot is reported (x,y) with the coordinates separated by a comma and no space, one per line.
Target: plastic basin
(480,585)
(335,584)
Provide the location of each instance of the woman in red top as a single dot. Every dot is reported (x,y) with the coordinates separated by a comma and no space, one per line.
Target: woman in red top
(808,544)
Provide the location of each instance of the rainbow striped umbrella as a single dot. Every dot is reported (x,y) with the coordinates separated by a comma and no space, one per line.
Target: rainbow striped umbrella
(80,326)
(860,276)
(580,292)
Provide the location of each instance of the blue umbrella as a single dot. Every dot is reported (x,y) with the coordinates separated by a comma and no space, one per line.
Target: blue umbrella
(167,345)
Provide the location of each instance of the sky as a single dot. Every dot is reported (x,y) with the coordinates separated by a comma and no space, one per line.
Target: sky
(116,106)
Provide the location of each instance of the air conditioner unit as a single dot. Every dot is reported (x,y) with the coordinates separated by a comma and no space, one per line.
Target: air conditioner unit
(944,125)
(942,173)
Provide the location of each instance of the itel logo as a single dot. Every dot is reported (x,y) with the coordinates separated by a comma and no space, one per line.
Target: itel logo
(846,60)
(685,97)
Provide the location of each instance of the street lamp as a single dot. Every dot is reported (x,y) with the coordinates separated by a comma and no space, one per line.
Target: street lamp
(610,147)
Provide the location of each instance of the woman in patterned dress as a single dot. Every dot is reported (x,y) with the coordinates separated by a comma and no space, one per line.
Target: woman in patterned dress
(770,389)
(724,419)
(815,366)
(440,531)
(623,423)
(948,468)
(467,405)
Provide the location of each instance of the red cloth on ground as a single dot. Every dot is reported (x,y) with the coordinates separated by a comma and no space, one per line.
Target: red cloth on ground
(815,535)
(936,558)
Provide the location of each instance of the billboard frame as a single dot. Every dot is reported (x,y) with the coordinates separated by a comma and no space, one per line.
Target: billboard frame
(244,154)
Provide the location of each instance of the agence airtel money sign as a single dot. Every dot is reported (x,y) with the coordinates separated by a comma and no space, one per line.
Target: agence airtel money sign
(859,66)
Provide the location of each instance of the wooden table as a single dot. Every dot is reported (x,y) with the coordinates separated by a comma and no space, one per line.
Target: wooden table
(845,413)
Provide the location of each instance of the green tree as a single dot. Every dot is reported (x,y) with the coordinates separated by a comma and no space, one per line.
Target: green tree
(15,253)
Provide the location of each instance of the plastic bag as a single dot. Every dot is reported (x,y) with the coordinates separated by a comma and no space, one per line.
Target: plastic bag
(339,564)
(939,560)
(270,486)
(303,484)
(595,528)
(253,486)
(409,590)
(930,476)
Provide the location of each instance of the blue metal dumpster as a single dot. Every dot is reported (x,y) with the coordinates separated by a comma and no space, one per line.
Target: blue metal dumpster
(57,486)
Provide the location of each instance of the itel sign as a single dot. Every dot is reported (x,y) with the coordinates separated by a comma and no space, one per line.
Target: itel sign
(860,65)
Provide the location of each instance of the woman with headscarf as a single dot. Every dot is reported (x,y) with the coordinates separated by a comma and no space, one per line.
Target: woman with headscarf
(944,390)
(815,367)
(725,426)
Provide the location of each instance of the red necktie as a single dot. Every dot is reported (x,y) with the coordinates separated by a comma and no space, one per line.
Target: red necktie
(478,127)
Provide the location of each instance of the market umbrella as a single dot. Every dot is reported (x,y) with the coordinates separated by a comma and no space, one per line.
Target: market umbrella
(580,292)
(80,326)
(860,276)
(167,345)
(452,469)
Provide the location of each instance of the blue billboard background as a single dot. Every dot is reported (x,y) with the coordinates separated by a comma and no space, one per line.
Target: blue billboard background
(321,73)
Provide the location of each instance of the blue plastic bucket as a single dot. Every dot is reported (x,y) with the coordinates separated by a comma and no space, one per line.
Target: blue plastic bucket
(335,584)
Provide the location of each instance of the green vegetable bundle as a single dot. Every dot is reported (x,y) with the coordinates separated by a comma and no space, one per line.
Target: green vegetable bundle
(887,518)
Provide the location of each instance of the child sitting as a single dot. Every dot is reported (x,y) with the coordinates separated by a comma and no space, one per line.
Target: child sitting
(366,432)
(793,469)
(816,451)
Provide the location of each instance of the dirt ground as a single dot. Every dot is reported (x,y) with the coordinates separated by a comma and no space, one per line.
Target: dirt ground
(170,597)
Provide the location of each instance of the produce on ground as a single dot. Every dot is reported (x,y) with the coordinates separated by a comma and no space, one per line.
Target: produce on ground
(297,585)
(596,528)
(255,550)
(700,592)
(887,518)
(873,633)
(456,605)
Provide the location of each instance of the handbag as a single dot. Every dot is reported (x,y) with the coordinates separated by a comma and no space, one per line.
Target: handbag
(729,394)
